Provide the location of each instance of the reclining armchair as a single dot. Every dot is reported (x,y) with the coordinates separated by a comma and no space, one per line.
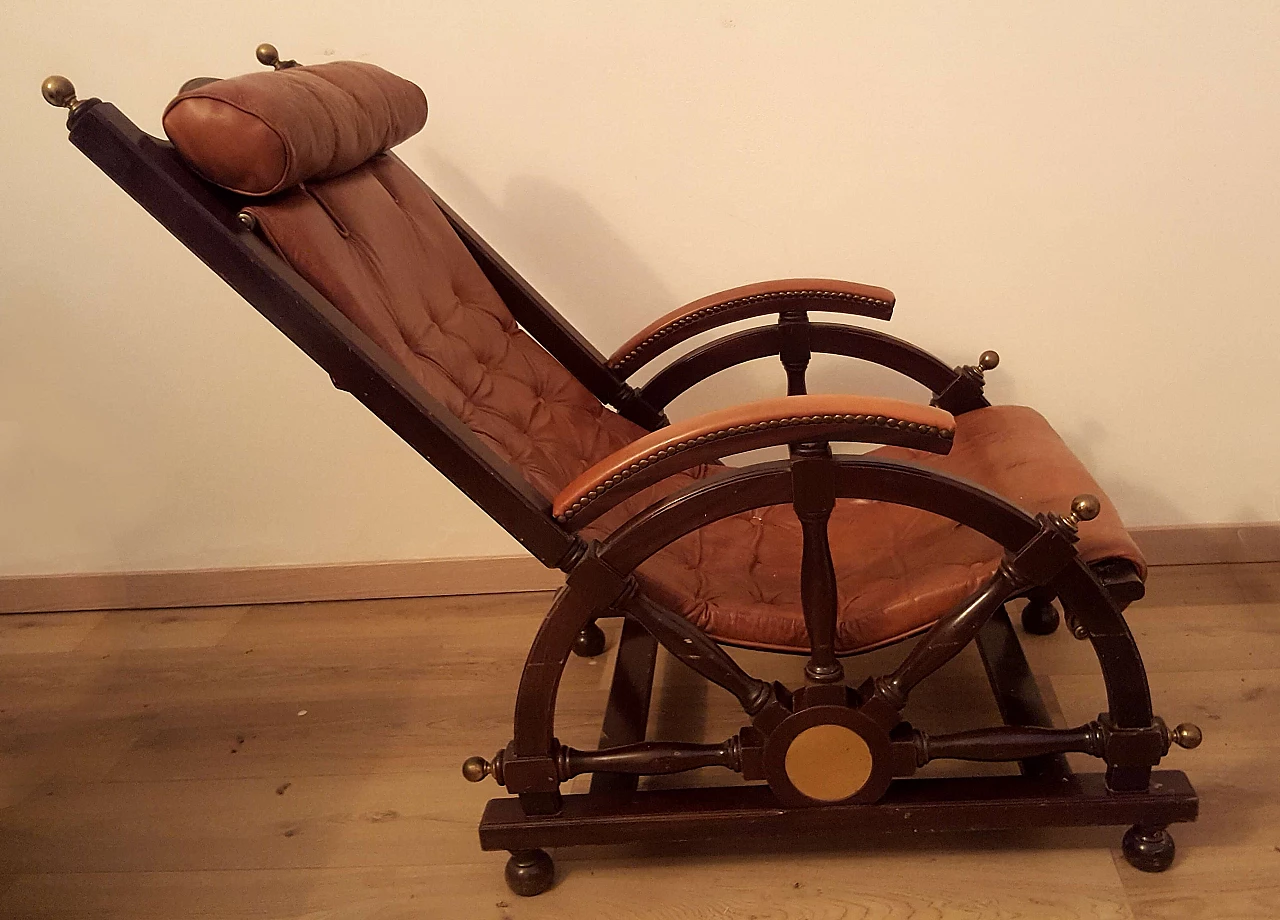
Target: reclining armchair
(281,181)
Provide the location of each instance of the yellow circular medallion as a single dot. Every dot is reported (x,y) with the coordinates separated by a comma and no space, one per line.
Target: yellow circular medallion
(828,763)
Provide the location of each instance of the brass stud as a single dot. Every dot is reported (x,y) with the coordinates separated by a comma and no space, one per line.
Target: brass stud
(247,220)
(1186,735)
(58,91)
(267,55)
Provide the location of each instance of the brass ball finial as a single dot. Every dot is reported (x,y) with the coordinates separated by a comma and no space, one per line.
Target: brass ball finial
(988,360)
(267,55)
(474,769)
(58,91)
(1187,735)
(1085,507)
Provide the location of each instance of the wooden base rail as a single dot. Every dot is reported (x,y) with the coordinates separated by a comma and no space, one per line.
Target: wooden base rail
(729,814)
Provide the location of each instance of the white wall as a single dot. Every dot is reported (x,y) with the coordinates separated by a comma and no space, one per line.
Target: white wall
(1089,188)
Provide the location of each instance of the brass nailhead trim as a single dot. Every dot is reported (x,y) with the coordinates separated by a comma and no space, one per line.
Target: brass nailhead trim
(713,309)
(878,421)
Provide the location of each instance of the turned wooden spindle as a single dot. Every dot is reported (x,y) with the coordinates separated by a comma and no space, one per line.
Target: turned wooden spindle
(813,475)
(701,653)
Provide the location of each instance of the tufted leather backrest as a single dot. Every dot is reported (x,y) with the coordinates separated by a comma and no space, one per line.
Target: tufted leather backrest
(376,245)
(366,233)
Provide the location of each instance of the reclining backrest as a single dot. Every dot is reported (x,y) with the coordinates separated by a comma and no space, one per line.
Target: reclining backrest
(365,231)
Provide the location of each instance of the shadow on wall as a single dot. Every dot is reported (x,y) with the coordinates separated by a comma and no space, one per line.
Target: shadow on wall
(557,240)
(569,252)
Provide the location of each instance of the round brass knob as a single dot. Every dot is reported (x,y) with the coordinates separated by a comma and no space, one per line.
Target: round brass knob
(1186,735)
(474,769)
(267,55)
(1085,507)
(57,90)
(988,360)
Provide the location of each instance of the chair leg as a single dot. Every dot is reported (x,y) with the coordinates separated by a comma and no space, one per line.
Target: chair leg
(1148,848)
(590,641)
(1040,617)
(530,872)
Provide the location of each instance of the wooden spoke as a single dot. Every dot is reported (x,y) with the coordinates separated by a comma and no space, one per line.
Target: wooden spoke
(814,498)
(650,758)
(700,652)
(888,695)
(1010,742)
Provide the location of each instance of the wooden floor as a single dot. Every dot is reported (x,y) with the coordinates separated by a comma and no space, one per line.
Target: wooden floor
(303,761)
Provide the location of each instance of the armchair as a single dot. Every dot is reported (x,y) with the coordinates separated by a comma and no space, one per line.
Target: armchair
(283,183)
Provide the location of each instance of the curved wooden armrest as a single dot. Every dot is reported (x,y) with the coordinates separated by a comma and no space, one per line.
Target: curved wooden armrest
(767,423)
(746,301)
(824,338)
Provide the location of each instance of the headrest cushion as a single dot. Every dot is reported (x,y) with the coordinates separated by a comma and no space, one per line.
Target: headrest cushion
(264,132)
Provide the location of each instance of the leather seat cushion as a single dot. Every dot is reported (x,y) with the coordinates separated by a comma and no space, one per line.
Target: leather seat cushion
(263,132)
(898,569)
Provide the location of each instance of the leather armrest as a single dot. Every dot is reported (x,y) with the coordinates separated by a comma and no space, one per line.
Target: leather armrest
(746,301)
(769,422)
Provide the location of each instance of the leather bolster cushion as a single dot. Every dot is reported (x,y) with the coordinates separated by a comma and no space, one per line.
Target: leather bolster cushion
(261,133)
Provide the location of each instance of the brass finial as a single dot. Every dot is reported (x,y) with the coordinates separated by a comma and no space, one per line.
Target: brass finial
(57,90)
(1084,508)
(988,360)
(1186,735)
(474,769)
(270,57)
(267,55)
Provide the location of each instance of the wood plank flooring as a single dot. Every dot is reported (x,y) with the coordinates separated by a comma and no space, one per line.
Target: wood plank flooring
(302,761)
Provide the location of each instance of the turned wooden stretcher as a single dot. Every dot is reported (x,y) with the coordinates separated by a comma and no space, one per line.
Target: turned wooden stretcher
(281,182)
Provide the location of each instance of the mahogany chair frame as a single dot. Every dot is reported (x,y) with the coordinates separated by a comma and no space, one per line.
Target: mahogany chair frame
(1040,563)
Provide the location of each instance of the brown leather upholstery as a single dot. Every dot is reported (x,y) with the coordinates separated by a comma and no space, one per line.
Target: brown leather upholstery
(749,426)
(263,132)
(375,244)
(898,569)
(744,302)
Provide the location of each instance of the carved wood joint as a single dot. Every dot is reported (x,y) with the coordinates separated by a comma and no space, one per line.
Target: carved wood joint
(597,582)
(965,391)
(1133,747)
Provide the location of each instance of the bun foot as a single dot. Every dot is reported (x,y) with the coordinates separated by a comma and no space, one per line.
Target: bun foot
(590,642)
(530,872)
(1149,849)
(1040,618)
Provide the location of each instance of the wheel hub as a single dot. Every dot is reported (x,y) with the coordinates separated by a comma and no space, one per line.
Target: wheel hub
(826,752)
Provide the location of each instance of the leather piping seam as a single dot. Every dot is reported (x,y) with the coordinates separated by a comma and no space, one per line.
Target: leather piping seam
(715,308)
(879,421)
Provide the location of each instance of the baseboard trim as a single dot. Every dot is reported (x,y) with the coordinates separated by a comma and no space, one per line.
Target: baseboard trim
(274,584)
(1209,543)
(1178,545)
